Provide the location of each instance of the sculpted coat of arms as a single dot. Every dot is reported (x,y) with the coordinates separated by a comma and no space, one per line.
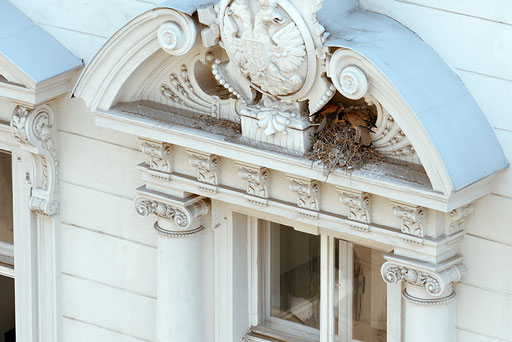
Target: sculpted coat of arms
(266,45)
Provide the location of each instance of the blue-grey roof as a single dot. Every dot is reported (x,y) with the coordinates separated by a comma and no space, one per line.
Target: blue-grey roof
(456,126)
(187,6)
(31,49)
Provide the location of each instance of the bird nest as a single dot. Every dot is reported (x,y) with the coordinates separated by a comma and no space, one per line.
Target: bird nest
(335,146)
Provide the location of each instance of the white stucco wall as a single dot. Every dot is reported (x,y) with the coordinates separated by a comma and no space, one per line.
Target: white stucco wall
(108,254)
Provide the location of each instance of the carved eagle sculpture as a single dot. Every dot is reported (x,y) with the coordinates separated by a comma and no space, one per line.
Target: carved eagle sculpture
(358,120)
(266,46)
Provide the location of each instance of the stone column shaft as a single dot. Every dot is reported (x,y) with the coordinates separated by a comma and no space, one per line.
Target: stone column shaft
(429,307)
(180,302)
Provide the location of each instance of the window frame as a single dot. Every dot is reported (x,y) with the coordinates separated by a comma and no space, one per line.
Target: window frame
(259,256)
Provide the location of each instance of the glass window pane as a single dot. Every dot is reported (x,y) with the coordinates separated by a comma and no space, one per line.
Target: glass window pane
(368,296)
(6,309)
(294,276)
(6,233)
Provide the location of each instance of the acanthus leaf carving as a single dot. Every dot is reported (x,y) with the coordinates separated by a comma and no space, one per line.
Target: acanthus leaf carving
(207,168)
(358,205)
(458,217)
(33,128)
(159,155)
(257,182)
(307,191)
(413,218)
(435,283)
(183,216)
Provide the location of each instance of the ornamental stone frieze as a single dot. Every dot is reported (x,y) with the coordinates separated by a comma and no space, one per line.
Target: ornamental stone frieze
(32,128)
(178,217)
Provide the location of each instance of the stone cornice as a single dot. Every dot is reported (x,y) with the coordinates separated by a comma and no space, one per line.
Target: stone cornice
(215,145)
(33,130)
(185,212)
(286,209)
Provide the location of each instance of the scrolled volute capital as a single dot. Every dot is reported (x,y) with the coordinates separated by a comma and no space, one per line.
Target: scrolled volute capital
(435,283)
(184,217)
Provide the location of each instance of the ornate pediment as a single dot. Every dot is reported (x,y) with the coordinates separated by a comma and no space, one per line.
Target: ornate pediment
(261,73)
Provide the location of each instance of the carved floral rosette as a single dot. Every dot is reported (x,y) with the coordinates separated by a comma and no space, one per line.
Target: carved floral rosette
(32,129)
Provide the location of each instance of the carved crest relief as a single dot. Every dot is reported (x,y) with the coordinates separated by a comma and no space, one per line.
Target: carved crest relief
(266,45)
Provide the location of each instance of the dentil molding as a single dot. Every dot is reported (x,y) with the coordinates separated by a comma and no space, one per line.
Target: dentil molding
(33,130)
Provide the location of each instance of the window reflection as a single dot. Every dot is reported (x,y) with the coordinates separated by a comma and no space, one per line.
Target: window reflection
(294,276)
(369,296)
(6,231)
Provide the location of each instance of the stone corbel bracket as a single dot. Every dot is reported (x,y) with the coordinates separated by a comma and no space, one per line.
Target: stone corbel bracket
(359,207)
(258,179)
(33,130)
(177,217)
(457,218)
(207,169)
(413,221)
(160,158)
(308,192)
(436,279)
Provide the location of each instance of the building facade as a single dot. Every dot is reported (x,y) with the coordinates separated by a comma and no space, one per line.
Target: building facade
(171,179)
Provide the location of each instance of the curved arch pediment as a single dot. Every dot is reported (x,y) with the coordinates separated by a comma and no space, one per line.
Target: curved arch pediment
(429,111)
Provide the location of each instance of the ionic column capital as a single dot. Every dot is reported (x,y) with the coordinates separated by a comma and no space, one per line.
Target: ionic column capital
(177,217)
(436,280)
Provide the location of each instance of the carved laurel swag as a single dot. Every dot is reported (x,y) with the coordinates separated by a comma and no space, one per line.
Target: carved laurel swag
(33,127)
